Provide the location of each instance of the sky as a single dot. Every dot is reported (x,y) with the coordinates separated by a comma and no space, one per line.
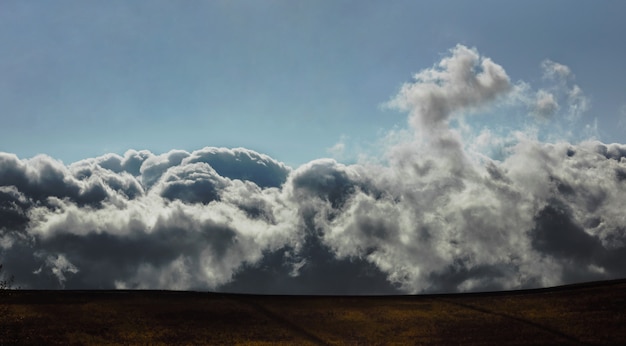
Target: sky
(287,78)
(328,147)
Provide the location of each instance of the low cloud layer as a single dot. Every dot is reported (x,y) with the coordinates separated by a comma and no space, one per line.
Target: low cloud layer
(435,215)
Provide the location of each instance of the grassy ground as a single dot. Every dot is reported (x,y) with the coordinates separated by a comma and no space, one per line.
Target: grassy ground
(583,314)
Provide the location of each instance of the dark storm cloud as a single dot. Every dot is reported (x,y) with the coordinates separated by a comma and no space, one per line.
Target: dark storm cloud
(436,217)
(12,208)
(315,270)
(165,257)
(556,234)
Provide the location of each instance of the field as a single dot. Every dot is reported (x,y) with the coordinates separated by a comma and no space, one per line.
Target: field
(593,313)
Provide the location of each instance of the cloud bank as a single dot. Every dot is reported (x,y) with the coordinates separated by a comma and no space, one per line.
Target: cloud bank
(436,214)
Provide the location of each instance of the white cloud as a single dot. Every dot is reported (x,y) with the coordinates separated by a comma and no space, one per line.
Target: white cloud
(563,91)
(59,266)
(578,103)
(463,81)
(338,150)
(554,70)
(545,104)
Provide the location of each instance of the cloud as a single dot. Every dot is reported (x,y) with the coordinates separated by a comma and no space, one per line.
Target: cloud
(59,267)
(440,212)
(621,122)
(192,183)
(244,164)
(338,150)
(563,91)
(462,81)
(545,104)
(126,221)
(578,103)
(554,70)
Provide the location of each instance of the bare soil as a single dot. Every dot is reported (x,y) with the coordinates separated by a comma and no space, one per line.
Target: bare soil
(593,313)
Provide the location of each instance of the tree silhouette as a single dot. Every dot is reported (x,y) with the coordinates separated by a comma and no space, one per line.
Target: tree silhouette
(5,283)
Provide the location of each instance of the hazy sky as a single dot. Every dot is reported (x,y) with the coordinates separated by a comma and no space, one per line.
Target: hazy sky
(320,147)
(287,78)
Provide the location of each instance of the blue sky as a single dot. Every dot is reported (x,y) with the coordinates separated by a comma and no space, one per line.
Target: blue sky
(286,78)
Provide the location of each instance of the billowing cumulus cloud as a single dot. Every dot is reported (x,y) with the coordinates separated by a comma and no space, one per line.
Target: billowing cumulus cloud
(461,82)
(437,214)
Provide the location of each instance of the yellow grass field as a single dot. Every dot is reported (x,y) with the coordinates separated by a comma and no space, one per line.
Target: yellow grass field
(592,313)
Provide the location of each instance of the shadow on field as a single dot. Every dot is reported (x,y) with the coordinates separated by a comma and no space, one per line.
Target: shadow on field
(554,332)
(279,319)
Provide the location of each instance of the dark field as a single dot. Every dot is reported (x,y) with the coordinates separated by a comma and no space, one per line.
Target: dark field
(579,314)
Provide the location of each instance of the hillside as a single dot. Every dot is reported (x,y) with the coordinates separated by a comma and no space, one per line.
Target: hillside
(593,313)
